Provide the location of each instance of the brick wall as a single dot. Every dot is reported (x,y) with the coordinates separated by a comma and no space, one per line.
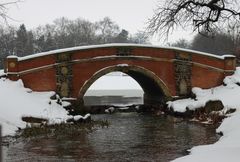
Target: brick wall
(68,71)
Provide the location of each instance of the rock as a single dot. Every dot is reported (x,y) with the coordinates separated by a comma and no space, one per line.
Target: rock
(216,105)
(70,120)
(210,113)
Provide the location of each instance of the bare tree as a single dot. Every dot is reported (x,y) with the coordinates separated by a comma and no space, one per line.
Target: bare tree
(221,43)
(140,38)
(4,4)
(107,29)
(7,43)
(182,43)
(234,31)
(202,15)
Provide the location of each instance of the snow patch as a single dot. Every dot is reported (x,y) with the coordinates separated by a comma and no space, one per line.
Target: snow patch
(12,56)
(122,65)
(86,116)
(110,110)
(17,101)
(76,118)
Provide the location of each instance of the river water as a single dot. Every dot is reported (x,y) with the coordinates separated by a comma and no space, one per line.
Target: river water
(130,137)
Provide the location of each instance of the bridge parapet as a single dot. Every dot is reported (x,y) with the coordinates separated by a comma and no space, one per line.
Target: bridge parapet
(47,58)
(65,71)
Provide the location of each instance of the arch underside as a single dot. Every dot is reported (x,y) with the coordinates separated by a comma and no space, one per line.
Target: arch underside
(155,90)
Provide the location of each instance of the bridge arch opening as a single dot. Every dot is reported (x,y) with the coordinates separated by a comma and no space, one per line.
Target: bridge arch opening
(155,90)
(116,89)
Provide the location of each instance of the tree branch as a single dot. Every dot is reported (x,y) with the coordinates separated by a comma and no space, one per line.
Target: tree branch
(200,14)
(4,9)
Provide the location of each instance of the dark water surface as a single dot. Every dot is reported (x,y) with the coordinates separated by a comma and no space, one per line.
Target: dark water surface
(130,137)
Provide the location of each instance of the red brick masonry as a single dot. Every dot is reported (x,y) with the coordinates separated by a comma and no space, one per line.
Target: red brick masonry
(67,71)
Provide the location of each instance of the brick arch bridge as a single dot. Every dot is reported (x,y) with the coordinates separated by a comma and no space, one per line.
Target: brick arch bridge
(162,72)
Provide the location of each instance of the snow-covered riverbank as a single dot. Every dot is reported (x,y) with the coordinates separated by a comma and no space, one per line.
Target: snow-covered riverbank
(17,101)
(227,149)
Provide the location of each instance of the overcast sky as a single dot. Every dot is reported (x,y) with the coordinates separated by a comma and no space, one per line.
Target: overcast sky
(131,15)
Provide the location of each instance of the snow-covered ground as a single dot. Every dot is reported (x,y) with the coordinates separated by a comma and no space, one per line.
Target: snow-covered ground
(227,149)
(17,101)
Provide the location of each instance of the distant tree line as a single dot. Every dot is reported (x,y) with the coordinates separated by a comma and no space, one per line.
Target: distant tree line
(62,33)
(221,42)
